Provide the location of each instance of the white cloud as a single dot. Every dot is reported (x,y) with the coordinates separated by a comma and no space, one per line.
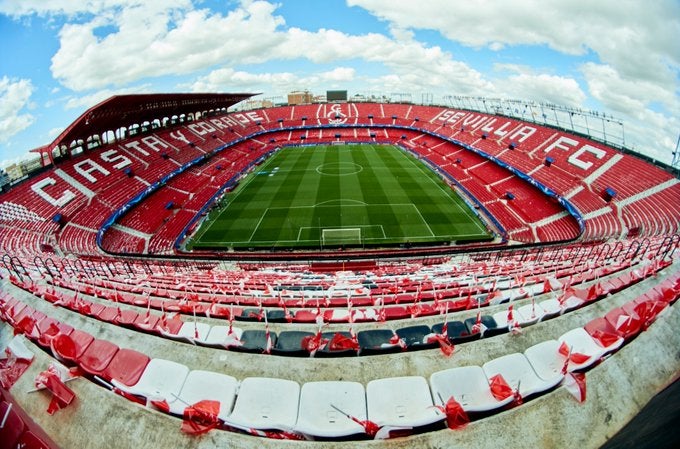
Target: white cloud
(19,8)
(14,96)
(85,102)
(280,82)
(150,41)
(623,95)
(638,38)
(526,84)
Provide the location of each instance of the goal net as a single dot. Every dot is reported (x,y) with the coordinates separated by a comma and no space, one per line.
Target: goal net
(341,236)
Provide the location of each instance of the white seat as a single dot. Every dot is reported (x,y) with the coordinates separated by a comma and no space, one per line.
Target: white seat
(192,331)
(161,379)
(468,385)
(518,372)
(501,318)
(206,385)
(570,301)
(546,360)
(318,416)
(18,348)
(266,403)
(337,315)
(551,307)
(401,402)
(219,336)
(529,314)
(580,342)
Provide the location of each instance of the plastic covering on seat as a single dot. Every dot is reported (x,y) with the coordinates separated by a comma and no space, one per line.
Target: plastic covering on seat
(416,337)
(488,326)
(70,347)
(582,350)
(191,331)
(223,336)
(340,344)
(206,385)
(401,402)
(324,407)
(530,314)
(457,331)
(48,328)
(378,341)
(291,343)
(468,385)
(162,379)
(255,340)
(546,360)
(626,323)
(604,333)
(266,403)
(519,374)
(551,308)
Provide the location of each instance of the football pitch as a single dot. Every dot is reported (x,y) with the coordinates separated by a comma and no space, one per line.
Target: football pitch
(341,195)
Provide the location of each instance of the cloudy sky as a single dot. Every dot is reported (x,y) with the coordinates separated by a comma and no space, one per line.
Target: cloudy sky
(622,57)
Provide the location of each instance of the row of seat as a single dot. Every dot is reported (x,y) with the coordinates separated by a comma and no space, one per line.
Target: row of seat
(336,409)
(337,309)
(14,431)
(337,343)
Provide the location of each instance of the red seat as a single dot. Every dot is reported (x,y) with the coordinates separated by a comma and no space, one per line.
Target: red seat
(627,325)
(13,428)
(146,323)
(108,314)
(28,440)
(396,313)
(48,328)
(305,316)
(126,317)
(170,326)
(604,333)
(97,356)
(71,347)
(126,366)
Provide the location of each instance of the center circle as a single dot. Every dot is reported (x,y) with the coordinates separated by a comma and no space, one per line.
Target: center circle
(339,168)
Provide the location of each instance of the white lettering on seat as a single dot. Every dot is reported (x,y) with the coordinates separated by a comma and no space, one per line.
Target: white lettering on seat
(201,128)
(151,141)
(114,157)
(451,116)
(525,132)
(179,135)
(87,173)
(574,158)
(63,200)
(561,144)
(565,143)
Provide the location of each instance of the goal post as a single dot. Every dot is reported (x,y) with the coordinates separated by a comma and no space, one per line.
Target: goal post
(340,236)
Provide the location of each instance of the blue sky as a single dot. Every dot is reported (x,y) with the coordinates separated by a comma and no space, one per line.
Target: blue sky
(60,57)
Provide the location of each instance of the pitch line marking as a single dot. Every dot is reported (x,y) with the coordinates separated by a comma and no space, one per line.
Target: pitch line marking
(464,210)
(423,220)
(258,225)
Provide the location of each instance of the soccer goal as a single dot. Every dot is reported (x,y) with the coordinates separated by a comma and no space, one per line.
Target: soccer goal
(341,236)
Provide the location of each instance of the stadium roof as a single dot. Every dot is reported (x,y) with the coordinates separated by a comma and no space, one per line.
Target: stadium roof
(125,110)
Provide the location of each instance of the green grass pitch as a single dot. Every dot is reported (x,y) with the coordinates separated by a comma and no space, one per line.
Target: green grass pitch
(350,195)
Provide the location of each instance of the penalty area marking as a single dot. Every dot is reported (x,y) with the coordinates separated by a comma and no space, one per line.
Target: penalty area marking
(382,229)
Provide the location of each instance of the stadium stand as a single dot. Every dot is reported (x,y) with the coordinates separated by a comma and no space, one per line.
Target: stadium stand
(198,344)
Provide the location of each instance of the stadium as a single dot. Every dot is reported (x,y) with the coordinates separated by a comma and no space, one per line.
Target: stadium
(205,275)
